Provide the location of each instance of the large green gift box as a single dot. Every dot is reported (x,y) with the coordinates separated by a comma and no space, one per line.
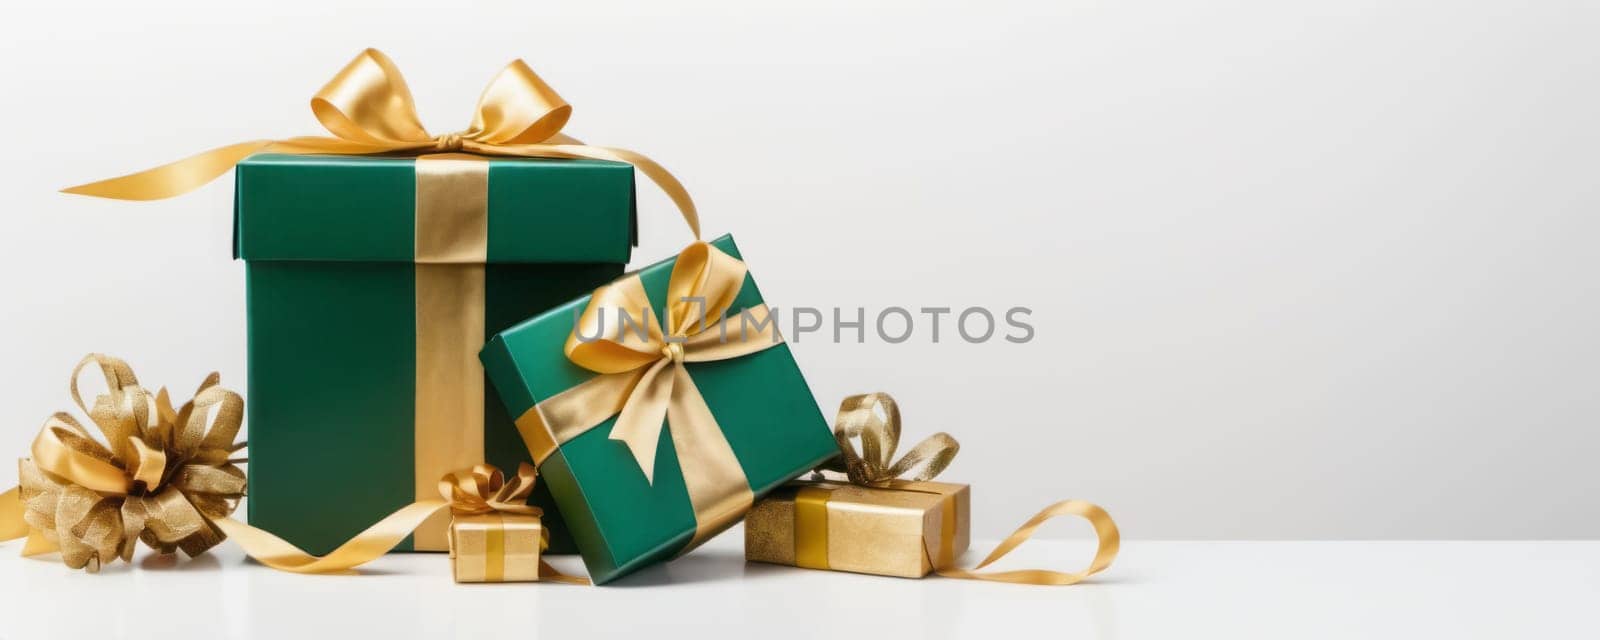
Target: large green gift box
(620,519)
(372,284)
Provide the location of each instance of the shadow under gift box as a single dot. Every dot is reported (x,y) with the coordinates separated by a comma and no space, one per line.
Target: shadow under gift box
(619,520)
(338,407)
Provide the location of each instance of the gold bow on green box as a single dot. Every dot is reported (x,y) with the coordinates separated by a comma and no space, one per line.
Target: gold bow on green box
(889,518)
(369,110)
(663,411)
(644,383)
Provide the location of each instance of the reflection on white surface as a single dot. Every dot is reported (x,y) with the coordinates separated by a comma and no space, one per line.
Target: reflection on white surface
(1155,590)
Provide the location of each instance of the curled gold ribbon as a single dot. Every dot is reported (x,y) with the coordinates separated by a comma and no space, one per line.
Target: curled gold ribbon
(168,477)
(369,110)
(644,383)
(1108,541)
(162,476)
(860,418)
(479,490)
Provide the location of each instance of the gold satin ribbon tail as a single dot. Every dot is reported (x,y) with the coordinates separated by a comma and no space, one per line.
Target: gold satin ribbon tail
(1108,543)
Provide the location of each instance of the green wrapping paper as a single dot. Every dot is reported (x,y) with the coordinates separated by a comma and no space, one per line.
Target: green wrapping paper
(620,519)
(333,246)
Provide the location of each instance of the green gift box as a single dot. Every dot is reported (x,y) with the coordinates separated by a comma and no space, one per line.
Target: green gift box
(372,284)
(734,427)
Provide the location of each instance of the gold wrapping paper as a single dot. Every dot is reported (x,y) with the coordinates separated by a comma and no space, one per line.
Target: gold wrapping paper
(496,547)
(908,530)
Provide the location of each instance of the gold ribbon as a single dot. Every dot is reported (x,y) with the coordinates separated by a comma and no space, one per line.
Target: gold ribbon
(163,476)
(1108,542)
(168,477)
(479,490)
(879,432)
(644,383)
(369,110)
(483,489)
(874,419)
(452,244)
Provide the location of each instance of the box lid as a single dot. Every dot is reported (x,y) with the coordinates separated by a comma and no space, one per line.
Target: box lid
(363,209)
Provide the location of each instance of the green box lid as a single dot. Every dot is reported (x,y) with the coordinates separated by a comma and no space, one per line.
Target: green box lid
(363,209)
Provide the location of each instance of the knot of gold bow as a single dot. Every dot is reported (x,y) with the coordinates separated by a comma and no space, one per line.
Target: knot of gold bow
(874,419)
(695,328)
(369,110)
(484,489)
(161,476)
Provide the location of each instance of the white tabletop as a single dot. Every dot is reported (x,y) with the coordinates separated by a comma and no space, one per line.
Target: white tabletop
(1155,590)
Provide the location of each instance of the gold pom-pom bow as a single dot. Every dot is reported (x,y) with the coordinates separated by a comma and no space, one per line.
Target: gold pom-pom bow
(168,477)
(161,475)
(860,418)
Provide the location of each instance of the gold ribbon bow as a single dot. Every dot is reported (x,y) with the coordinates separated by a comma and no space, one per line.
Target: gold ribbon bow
(859,417)
(645,384)
(483,489)
(167,477)
(161,476)
(369,110)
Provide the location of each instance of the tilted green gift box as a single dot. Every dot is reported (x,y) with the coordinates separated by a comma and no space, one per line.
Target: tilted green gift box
(620,520)
(331,250)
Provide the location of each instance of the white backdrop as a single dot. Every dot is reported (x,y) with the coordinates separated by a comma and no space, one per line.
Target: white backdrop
(1298,269)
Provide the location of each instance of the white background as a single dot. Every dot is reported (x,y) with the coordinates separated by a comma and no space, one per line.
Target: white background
(1298,269)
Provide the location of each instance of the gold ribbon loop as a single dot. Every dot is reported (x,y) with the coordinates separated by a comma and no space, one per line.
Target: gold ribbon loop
(1108,542)
(874,419)
(369,110)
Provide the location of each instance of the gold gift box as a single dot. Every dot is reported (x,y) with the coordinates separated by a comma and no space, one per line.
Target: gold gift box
(908,529)
(496,547)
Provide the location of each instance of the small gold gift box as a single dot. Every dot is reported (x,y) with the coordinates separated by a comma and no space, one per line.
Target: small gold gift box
(495,536)
(496,547)
(907,529)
